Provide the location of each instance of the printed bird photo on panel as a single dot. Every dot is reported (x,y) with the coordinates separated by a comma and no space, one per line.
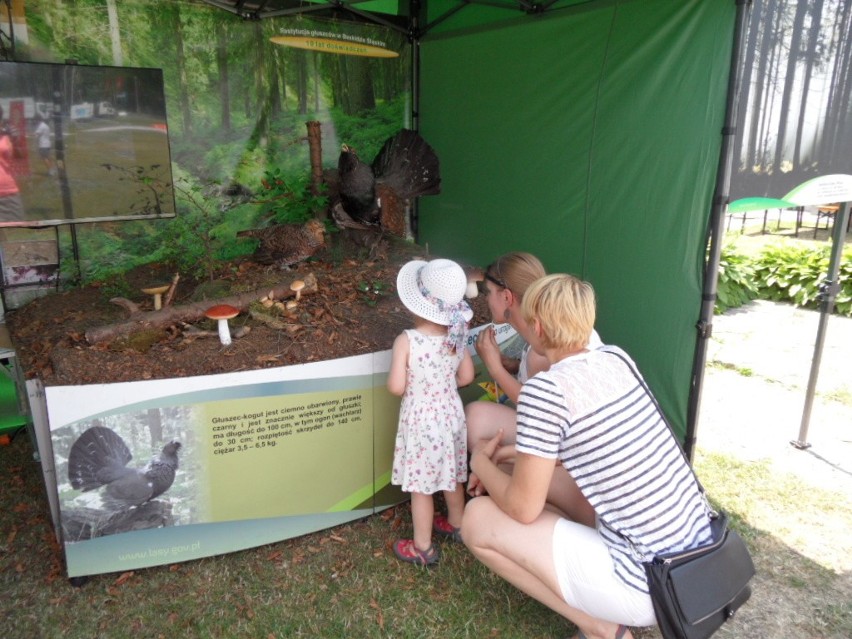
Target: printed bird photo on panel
(126,472)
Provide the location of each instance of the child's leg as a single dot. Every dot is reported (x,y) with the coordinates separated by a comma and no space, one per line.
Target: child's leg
(455,505)
(422,512)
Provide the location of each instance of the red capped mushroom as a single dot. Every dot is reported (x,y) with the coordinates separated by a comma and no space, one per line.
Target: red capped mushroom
(222,313)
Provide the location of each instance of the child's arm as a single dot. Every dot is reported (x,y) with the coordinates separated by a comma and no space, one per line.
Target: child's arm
(535,364)
(397,377)
(489,352)
(465,372)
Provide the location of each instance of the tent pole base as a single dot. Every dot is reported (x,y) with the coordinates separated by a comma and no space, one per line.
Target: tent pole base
(800,445)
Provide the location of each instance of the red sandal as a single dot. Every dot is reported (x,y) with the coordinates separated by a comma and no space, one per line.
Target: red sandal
(442,526)
(405,550)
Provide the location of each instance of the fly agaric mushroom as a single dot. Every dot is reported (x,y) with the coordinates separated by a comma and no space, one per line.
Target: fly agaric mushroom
(296,286)
(222,313)
(157,291)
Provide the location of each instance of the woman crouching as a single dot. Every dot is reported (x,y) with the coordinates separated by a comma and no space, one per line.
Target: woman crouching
(590,413)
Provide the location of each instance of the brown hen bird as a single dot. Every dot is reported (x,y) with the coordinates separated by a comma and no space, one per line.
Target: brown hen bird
(287,244)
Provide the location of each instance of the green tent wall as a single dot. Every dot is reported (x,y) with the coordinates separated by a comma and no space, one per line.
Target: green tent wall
(591,137)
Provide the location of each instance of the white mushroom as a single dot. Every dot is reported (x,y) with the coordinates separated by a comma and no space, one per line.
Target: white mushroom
(222,313)
(474,277)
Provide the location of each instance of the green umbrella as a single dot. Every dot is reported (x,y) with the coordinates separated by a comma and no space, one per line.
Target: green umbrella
(758,204)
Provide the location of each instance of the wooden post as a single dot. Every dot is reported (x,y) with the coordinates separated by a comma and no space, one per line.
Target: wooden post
(315,150)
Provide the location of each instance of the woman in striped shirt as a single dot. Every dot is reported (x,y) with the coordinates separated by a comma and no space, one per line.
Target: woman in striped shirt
(589,413)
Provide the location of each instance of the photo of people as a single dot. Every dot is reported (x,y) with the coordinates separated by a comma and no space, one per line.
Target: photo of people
(82,143)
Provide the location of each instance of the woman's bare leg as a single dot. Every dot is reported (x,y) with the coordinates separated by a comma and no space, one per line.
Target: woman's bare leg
(484,419)
(565,496)
(522,554)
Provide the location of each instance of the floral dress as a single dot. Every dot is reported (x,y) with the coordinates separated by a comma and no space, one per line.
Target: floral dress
(431,439)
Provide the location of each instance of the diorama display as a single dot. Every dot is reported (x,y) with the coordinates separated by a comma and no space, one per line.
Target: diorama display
(293,159)
(146,425)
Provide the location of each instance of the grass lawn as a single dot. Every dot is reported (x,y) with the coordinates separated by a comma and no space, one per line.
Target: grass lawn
(345,582)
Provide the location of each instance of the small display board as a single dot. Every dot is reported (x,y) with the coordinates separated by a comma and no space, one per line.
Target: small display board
(30,267)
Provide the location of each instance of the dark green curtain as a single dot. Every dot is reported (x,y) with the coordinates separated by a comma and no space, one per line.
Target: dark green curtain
(589,137)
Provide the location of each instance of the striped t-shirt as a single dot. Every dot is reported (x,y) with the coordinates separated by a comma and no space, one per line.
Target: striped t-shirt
(591,413)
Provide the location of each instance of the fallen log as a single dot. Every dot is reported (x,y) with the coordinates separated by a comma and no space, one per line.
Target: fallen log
(190,332)
(192,312)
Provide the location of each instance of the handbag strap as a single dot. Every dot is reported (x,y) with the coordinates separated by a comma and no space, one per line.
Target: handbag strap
(653,399)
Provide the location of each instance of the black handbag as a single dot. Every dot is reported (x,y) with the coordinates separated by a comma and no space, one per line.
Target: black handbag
(695,591)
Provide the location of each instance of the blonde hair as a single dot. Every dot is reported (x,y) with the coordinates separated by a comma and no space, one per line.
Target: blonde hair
(565,307)
(515,271)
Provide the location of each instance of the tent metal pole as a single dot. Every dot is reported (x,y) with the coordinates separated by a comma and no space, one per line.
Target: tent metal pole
(828,293)
(717,222)
(415,9)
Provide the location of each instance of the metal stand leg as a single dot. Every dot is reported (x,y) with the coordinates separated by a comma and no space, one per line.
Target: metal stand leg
(828,293)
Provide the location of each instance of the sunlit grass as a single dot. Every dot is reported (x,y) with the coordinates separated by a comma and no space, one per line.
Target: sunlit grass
(345,582)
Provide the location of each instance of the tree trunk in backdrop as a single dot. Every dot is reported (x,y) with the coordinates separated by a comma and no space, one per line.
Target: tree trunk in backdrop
(764,37)
(741,153)
(114,34)
(789,79)
(222,69)
(810,64)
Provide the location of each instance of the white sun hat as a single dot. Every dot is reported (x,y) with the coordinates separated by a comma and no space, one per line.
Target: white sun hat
(434,290)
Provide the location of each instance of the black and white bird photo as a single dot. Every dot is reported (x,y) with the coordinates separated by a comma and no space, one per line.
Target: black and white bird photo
(99,460)
(120,483)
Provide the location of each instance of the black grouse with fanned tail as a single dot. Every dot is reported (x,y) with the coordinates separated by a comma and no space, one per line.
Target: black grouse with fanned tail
(406,167)
(99,459)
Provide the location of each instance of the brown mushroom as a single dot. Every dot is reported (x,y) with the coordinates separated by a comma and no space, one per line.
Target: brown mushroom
(157,292)
(222,313)
(296,286)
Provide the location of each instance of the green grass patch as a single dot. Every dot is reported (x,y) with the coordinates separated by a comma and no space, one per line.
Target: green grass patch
(345,582)
(342,582)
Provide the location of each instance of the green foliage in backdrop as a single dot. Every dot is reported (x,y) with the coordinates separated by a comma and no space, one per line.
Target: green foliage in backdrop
(237,106)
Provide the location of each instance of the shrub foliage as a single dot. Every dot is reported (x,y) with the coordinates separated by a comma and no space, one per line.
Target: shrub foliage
(785,273)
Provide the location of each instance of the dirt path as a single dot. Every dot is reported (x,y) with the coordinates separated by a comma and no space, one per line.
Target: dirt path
(759,363)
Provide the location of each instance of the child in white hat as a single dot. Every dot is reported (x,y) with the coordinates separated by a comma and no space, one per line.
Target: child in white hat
(428,364)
